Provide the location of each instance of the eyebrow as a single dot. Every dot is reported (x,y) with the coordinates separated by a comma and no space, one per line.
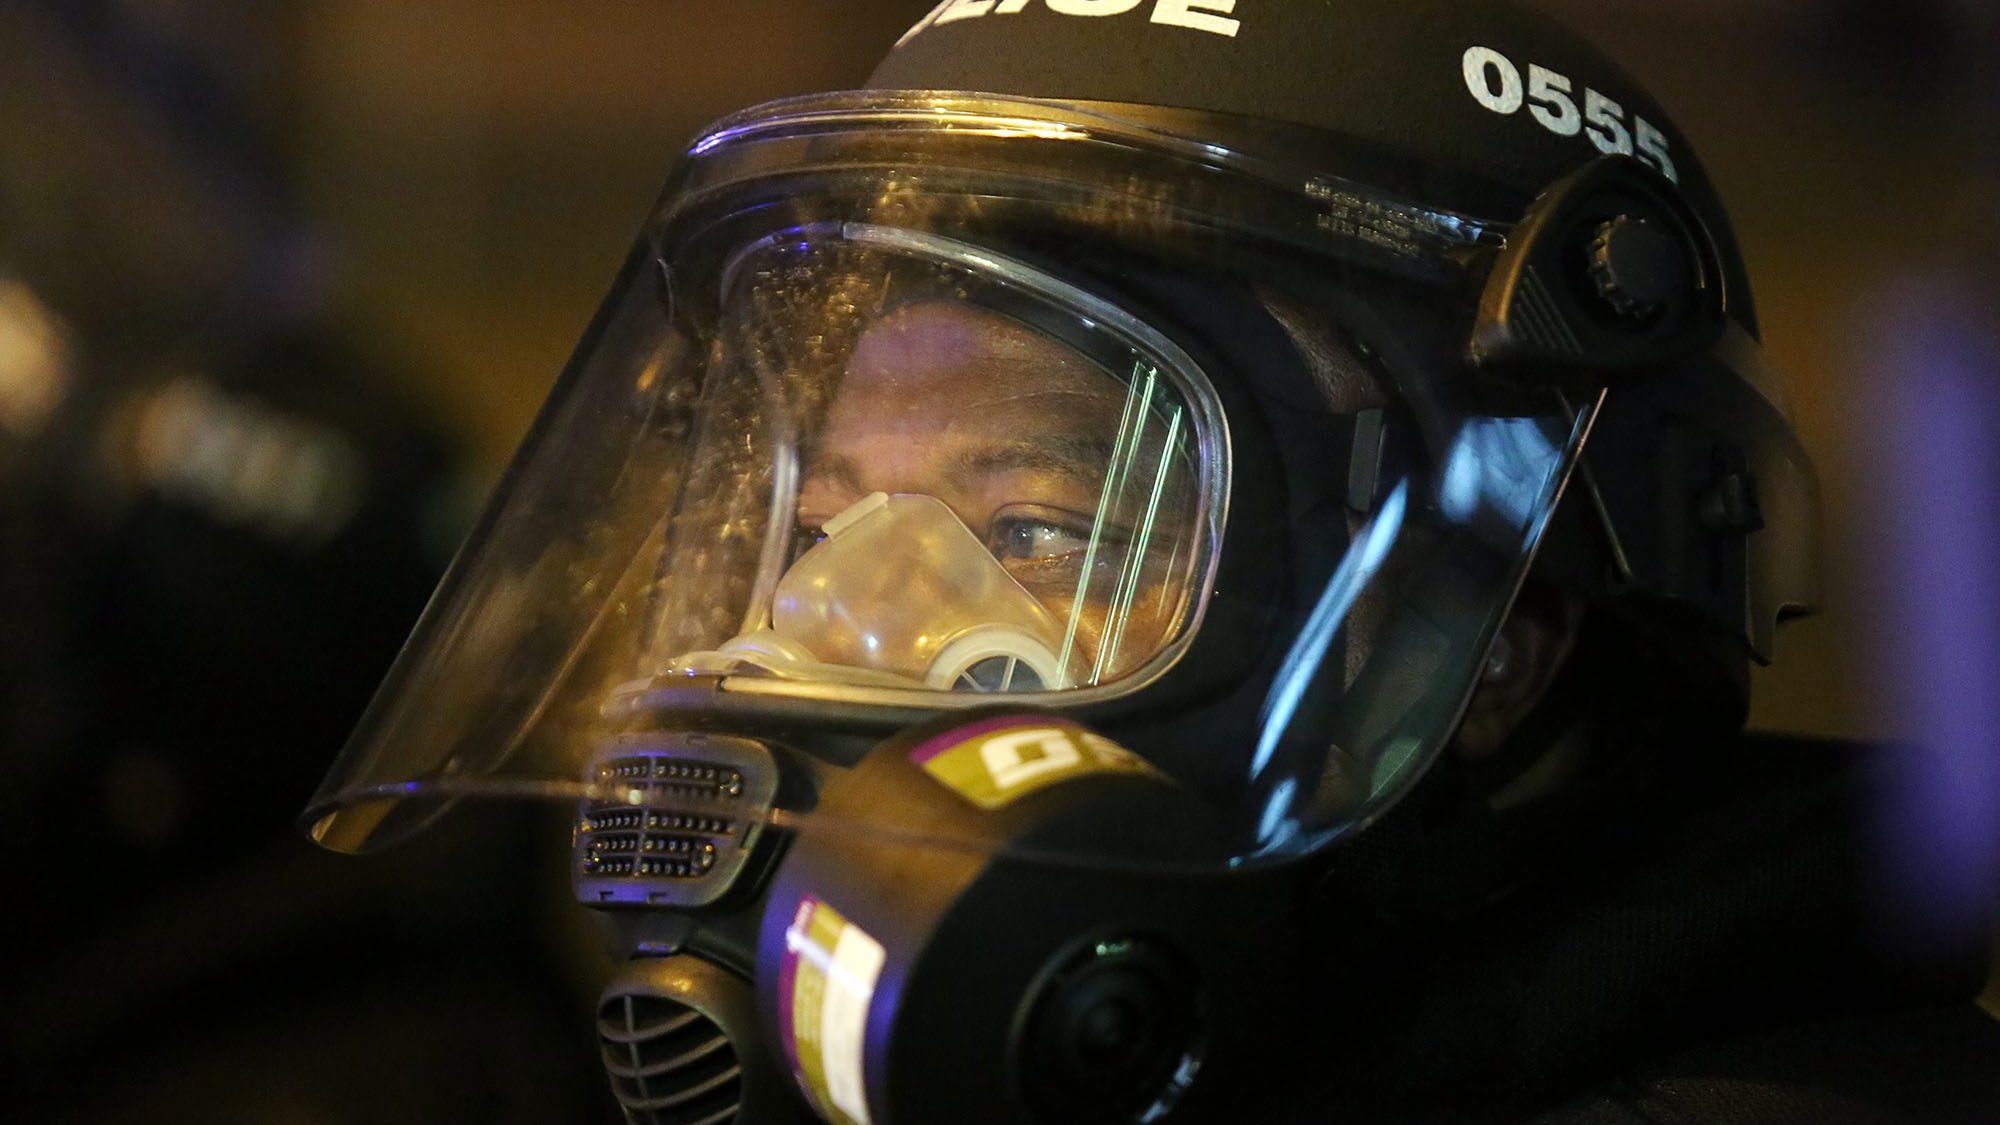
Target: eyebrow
(837,469)
(1081,458)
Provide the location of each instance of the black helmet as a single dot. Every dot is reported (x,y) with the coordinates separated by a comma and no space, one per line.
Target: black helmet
(1478,109)
(1007,520)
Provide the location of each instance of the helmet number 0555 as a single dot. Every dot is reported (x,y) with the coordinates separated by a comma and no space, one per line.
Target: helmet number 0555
(1495,82)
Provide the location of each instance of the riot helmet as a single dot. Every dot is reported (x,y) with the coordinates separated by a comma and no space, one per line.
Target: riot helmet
(1007,522)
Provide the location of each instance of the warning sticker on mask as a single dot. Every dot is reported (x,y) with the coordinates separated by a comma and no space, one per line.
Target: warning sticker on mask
(824,987)
(998,761)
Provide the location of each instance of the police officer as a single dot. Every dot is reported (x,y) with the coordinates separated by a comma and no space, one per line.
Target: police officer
(1179,560)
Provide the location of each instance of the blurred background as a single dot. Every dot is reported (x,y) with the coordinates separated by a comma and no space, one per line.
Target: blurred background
(281,285)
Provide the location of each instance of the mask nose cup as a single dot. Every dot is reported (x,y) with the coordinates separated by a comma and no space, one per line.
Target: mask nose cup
(995,659)
(900,586)
(998,673)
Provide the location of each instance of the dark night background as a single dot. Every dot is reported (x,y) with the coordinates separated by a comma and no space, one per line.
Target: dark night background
(281,285)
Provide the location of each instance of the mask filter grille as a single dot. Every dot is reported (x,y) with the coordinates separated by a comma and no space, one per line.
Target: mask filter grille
(626,840)
(675,820)
(669,1064)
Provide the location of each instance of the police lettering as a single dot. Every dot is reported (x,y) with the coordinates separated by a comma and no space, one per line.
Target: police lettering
(1211,16)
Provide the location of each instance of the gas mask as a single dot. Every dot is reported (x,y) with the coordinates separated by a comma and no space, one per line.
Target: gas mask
(962,611)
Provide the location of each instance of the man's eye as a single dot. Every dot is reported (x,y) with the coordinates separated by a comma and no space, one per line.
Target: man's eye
(1032,539)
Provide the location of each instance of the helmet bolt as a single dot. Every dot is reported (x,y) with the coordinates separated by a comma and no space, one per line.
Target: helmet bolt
(1637,267)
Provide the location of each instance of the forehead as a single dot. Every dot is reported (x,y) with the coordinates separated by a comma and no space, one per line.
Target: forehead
(981,359)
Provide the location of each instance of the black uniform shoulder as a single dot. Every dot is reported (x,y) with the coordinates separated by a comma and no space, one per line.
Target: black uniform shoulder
(1712,941)
(1926,1066)
(1787,991)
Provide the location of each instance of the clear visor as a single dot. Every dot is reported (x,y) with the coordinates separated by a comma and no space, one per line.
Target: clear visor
(851,468)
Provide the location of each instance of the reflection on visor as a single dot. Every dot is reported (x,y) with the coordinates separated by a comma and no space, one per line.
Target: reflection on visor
(869,462)
(999,492)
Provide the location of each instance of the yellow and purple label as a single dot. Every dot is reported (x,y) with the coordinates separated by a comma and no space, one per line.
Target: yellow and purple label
(997,761)
(826,985)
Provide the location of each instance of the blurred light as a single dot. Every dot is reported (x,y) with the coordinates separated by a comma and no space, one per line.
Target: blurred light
(1934,440)
(247,463)
(34,360)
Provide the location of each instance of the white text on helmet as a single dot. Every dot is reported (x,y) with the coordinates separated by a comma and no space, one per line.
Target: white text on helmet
(1211,16)
(1495,82)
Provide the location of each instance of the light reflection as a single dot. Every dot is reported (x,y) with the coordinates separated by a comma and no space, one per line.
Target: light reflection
(1498,465)
(1303,662)
(1275,827)
(1936,594)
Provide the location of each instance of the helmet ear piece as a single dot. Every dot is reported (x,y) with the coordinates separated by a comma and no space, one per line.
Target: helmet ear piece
(1609,274)
(1499,661)
(1528,653)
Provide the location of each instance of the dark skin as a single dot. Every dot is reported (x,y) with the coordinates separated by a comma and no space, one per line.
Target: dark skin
(936,400)
(1534,643)
(1011,430)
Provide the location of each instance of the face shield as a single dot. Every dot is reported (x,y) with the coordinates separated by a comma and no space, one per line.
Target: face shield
(879,426)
